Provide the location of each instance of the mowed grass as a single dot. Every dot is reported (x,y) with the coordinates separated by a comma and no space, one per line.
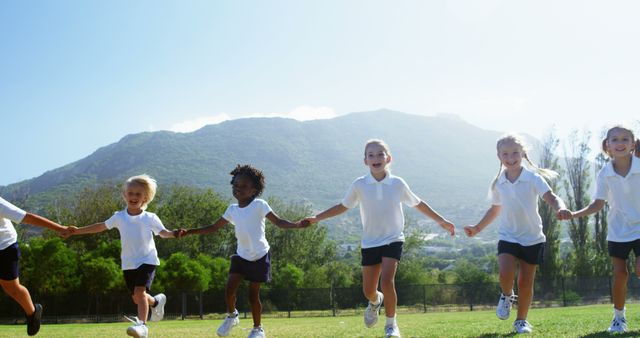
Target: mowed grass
(581,321)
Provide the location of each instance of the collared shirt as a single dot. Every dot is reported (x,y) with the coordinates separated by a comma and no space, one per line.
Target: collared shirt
(8,213)
(623,196)
(380,208)
(249,228)
(519,220)
(136,237)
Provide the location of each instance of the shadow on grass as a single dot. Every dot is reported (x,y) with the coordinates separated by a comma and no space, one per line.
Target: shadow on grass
(635,333)
(493,335)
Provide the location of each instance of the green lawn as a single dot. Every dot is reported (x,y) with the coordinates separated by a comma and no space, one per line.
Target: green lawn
(582,321)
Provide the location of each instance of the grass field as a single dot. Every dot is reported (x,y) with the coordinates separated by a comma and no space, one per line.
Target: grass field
(582,321)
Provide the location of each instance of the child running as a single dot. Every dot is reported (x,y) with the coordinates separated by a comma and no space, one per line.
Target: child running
(380,196)
(514,194)
(253,260)
(618,183)
(10,259)
(139,255)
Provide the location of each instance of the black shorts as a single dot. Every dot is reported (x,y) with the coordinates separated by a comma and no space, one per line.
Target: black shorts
(9,262)
(258,271)
(622,249)
(373,256)
(142,276)
(532,254)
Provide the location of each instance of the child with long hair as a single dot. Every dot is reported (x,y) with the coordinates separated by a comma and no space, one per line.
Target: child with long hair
(618,183)
(10,259)
(514,193)
(380,196)
(139,255)
(253,259)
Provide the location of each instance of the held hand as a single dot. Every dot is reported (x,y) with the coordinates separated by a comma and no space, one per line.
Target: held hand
(179,233)
(564,214)
(471,230)
(68,231)
(449,227)
(310,220)
(303,223)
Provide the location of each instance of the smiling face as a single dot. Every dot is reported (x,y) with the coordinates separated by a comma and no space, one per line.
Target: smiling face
(243,188)
(510,154)
(135,196)
(619,142)
(376,158)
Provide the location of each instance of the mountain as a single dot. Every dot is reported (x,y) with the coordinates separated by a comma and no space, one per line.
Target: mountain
(445,160)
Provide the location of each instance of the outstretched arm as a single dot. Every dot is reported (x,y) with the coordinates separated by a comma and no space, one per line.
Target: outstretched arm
(207,229)
(592,208)
(89,229)
(169,233)
(283,223)
(331,212)
(557,204)
(444,223)
(489,216)
(40,221)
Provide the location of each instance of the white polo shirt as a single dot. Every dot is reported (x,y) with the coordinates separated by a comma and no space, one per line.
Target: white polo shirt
(623,196)
(519,220)
(249,228)
(8,213)
(136,237)
(380,208)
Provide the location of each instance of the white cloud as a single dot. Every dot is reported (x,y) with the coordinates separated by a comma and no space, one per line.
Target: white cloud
(197,123)
(301,113)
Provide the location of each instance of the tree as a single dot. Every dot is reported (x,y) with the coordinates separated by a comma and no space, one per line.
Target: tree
(49,266)
(219,268)
(180,273)
(101,275)
(550,225)
(601,262)
(577,184)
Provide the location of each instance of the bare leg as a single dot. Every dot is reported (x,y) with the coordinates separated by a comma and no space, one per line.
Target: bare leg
(141,298)
(256,305)
(620,277)
(507,265)
(388,285)
(526,277)
(19,293)
(370,277)
(233,283)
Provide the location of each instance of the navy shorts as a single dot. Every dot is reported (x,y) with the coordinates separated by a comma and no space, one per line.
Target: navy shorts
(622,249)
(532,254)
(258,271)
(9,262)
(373,256)
(142,276)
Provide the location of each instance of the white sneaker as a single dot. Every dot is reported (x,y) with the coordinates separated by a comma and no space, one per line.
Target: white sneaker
(372,311)
(522,326)
(391,331)
(618,324)
(504,305)
(256,332)
(228,324)
(138,329)
(157,312)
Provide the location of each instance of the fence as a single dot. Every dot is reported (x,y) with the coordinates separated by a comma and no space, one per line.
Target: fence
(563,291)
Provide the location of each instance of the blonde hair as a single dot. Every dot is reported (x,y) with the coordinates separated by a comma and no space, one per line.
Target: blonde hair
(516,139)
(636,143)
(147,182)
(379,142)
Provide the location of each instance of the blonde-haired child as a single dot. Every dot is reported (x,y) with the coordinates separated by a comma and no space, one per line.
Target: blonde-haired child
(10,259)
(618,183)
(514,193)
(380,196)
(139,255)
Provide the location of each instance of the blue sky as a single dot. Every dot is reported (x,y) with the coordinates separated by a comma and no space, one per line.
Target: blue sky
(78,75)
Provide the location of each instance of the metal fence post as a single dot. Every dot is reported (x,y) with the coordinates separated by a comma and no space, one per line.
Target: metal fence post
(564,296)
(424,298)
(184,306)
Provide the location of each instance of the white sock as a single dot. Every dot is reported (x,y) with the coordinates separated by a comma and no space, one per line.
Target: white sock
(233,314)
(619,313)
(391,321)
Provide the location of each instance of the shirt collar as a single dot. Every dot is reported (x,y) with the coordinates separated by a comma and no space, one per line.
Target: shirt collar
(371,180)
(525,176)
(635,167)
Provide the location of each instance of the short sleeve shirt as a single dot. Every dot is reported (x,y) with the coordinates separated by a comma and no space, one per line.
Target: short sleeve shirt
(9,213)
(136,237)
(623,196)
(380,208)
(249,227)
(519,220)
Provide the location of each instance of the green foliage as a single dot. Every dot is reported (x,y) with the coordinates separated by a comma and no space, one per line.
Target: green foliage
(101,275)
(180,273)
(219,268)
(49,267)
(288,276)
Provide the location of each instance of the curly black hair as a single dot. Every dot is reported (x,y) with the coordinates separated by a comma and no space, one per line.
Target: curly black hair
(253,174)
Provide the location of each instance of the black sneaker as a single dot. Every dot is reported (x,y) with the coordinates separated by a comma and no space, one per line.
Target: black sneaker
(33,321)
